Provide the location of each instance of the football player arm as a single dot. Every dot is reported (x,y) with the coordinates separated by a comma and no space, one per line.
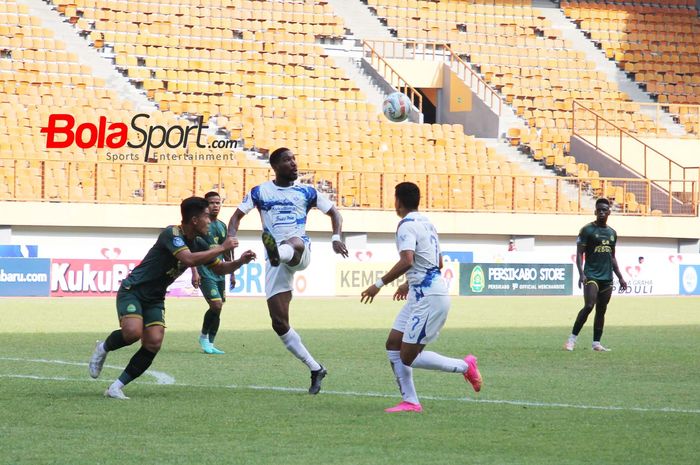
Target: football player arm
(616,270)
(235,222)
(580,251)
(399,269)
(223,268)
(196,279)
(190,259)
(337,224)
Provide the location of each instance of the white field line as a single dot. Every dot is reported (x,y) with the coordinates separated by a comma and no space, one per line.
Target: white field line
(161,378)
(520,403)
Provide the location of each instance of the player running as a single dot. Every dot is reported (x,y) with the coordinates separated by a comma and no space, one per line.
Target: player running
(424,314)
(212,285)
(141,296)
(283,206)
(597,242)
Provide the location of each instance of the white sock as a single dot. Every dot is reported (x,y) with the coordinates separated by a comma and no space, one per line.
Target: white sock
(101,348)
(204,336)
(572,337)
(292,341)
(433,361)
(286,252)
(117,385)
(404,377)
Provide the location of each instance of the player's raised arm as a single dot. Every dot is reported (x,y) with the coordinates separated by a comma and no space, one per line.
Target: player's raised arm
(337,224)
(235,222)
(223,268)
(189,258)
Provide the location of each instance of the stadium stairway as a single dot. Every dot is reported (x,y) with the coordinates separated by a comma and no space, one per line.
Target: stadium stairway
(513,155)
(358,18)
(366,83)
(101,67)
(581,43)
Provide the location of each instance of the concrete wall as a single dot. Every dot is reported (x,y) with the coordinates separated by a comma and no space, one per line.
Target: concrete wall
(496,226)
(611,168)
(386,87)
(481,121)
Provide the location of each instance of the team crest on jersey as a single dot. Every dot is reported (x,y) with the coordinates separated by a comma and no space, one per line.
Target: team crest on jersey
(178,242)
(213,292)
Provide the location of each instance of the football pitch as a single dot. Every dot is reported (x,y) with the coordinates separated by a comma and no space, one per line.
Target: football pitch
(638,404)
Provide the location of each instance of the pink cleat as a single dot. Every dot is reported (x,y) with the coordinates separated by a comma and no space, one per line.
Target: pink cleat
(472,374)
(405,407)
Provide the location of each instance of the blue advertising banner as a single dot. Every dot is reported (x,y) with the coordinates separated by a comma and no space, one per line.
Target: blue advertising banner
(26,251)
(24,277)
(688,279)
(461,257)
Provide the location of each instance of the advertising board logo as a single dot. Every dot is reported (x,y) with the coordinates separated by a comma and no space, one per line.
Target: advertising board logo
(476,280)
(690,280)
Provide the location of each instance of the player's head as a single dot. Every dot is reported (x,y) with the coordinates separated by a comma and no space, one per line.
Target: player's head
(602,209)
(195,213)
(283,163)
(214,200)
(407,197)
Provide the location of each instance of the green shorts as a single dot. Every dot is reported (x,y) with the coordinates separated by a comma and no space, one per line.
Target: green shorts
(601,285)
(213,289)
(130,306)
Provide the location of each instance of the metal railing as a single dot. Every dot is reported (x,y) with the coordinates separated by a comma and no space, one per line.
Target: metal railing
(416,50)
(392,76)
(165,184)
(685,115)
(631,152)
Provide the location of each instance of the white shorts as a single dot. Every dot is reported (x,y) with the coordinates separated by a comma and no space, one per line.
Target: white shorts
(280,278)
(420,321)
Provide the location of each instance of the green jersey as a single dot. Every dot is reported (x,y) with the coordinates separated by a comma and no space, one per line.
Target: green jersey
(217,235)
(600,248)
(159,268)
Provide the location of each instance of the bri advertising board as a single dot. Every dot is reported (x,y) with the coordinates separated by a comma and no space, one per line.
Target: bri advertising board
(515,279)
(88,277)
(24,277)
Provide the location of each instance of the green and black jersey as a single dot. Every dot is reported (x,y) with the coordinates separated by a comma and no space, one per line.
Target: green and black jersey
(159,268)
(217,235)
(600,249)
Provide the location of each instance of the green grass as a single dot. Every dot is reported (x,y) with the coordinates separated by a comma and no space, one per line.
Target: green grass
(647,389)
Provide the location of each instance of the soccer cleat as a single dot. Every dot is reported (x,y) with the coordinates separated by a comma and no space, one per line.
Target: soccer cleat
(204,344)
(472,375)
(214,351)
(599,348)
(99,355)
(316,378)
(569,345)
(405,407)
(115,393)
(270,245)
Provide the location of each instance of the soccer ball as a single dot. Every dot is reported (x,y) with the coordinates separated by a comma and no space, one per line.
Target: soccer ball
(397,107)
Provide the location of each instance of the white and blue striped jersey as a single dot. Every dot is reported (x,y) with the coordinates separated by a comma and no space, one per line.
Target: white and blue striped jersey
(283,209)
(415,232)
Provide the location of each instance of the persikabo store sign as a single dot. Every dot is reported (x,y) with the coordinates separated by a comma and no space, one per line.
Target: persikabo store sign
(515,279)
(80,277)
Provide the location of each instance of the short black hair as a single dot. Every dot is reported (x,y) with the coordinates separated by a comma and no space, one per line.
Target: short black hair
(408,194)
(602,200)
(192,206)
(277,154)
(211,194)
